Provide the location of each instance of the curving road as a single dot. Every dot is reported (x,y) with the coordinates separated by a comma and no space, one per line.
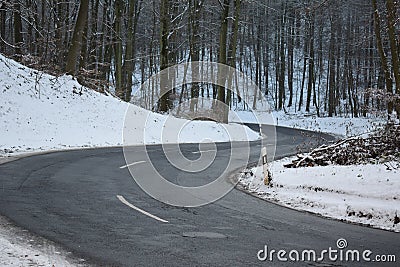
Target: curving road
(71,198)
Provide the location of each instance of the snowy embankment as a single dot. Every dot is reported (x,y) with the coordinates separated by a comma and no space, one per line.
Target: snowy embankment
(18,247)
(42,112)
(336,125)
(366,194)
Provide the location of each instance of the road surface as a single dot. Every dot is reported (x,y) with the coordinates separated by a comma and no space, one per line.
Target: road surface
(85,202)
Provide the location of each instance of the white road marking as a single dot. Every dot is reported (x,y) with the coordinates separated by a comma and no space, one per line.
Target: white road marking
(203,151)
(123,200)
(126,166)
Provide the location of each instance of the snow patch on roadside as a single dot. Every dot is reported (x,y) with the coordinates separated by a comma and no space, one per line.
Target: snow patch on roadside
(366,194)
(19,248)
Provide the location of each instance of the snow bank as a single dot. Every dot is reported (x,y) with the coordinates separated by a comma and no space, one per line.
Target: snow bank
(20,248)
(14,254)
(42,112)
(336,125)
(344,126)
(367,194)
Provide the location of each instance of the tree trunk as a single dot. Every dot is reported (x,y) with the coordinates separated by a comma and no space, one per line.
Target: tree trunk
(118,50)
(195,7)
(84,50)
(18,39)
(93,59)
(303,80)
(290,68)
(67,34)
(310,63)
(394,49)
(332,69)
(58,26)
(222,59)
(382,55)
(3,15)
(75,48)
(233,46)
(127,68)
(164,104)
(282,63)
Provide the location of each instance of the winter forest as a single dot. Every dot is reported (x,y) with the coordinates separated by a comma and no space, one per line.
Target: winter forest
(326,57)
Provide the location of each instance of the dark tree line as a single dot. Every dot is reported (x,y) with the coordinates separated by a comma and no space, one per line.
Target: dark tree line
(331,57)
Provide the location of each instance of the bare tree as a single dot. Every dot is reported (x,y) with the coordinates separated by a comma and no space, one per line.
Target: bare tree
(75,48)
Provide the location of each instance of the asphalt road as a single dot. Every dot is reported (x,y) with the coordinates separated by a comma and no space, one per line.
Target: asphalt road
(71,198)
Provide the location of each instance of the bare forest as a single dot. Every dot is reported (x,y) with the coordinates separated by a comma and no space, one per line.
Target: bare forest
(327,57)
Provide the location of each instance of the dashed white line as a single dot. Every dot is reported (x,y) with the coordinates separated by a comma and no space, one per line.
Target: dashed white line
(123,200)
(126,166)
(203,151)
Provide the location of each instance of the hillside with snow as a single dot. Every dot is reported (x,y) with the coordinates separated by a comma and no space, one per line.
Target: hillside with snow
(41,112)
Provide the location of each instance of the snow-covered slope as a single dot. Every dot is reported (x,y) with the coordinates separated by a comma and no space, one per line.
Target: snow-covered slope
(41,112)
(366,194)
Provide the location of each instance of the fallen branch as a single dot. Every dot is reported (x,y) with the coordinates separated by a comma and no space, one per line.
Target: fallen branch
(384,146)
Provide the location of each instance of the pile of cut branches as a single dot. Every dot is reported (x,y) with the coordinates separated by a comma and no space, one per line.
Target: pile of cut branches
(382,146)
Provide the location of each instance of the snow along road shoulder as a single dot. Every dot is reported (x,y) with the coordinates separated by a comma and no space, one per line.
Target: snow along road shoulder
(18,247)
(363,194)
